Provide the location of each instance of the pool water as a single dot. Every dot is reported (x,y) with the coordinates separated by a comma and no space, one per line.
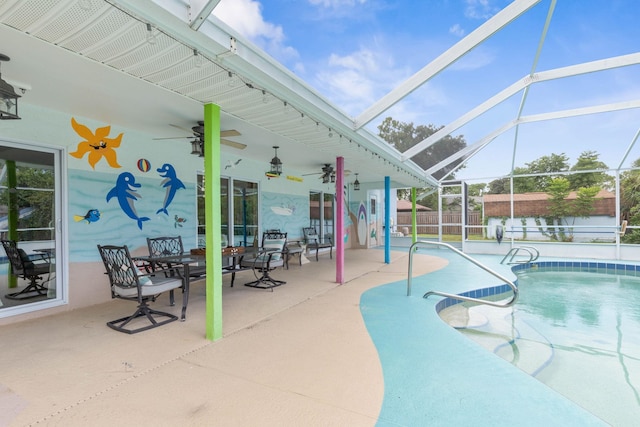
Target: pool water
(577,332)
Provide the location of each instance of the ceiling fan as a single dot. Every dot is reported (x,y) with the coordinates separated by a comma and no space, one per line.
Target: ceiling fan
(328,174)
(198,134)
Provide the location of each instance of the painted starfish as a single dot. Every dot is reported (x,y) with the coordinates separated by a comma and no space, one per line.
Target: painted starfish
(97,145)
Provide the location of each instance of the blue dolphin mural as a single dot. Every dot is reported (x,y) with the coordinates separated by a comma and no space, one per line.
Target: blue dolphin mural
(124,192)
(171,183)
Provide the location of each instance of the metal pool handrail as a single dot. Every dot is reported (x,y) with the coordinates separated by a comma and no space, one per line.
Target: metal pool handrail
(413,248)
(514,251)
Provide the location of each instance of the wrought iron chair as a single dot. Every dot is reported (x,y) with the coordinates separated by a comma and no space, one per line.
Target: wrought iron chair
(315,242)
(130,283)
(36,272)
(164,246)
(271,255)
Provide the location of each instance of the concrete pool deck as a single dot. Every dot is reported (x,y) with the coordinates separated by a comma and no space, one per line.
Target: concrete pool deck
(301,355)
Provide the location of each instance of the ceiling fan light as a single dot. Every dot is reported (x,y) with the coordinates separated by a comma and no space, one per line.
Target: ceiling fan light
(196,148)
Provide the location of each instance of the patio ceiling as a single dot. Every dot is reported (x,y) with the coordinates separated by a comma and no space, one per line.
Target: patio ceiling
(93,59)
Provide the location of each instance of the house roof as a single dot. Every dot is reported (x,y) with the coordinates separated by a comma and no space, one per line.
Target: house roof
(493,198)
(405,205)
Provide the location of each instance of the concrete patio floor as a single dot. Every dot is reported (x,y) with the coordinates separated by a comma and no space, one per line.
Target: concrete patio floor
(299,355)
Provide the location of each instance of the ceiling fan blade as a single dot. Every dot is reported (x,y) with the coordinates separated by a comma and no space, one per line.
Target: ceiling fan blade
(179,127)
(174,137)
(228,133)
(238,145)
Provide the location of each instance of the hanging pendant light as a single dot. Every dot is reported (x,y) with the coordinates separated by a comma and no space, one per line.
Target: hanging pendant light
(196,148)
(8,97)
(276,164)
(356,184)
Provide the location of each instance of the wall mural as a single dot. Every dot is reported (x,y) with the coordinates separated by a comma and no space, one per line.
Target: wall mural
(87,190)
(124,192)
(92,215)
(171,183)
(96,144)
(284,212)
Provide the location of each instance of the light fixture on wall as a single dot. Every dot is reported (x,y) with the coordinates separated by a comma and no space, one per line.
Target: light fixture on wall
(356,184)
(8,97)
(151,38)
(276,164)
(198,61)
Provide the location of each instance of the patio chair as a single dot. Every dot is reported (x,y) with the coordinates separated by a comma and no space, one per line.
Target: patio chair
(315,242)
(130,283)
(34,271)
(270,256)
(166,246)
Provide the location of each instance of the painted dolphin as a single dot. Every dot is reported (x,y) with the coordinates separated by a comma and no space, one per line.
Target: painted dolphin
(171,183)
(124,192)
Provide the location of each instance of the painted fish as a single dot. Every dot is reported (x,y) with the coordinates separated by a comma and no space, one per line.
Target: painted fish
(92,215)
(124,192)
(171,183)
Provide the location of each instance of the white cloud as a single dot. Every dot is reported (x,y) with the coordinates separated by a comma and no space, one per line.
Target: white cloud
(357,80)
(456,30)
(481,9)
(335,4)
(245,16)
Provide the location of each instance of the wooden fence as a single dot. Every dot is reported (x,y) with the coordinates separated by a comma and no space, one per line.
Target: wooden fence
(427,222)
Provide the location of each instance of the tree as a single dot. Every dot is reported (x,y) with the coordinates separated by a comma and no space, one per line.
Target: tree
(34,194)
(561,209)
(630,201)
(405,135)
(545,168)
(588,161)
(545,165)
(499,186)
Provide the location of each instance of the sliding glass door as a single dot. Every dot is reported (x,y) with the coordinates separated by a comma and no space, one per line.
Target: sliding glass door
(29,212)
(238,212)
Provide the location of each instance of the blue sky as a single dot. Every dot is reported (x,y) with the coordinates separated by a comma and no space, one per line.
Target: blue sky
(353,52)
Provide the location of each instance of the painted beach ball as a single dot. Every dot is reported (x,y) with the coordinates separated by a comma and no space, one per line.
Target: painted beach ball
(144,165)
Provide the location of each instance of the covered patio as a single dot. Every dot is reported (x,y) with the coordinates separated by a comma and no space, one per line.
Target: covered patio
(299,355)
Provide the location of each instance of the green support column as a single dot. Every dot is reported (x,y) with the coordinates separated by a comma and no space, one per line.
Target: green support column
(212,219)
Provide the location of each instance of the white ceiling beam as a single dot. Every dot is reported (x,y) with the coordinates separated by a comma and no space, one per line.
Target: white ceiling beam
(199,11)
(475,38)
(572,70)
(475,148)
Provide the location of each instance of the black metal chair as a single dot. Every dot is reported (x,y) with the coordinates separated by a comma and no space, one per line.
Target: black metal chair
(271,255)
(130,283)
(165,246)
(36,272)
(315,242)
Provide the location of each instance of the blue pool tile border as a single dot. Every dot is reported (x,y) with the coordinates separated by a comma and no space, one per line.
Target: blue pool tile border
(577,266)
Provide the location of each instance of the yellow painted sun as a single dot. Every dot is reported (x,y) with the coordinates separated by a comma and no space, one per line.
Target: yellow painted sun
(97,145)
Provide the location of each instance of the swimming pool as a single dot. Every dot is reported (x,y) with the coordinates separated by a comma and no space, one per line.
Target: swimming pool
(575,328)
(433,375)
